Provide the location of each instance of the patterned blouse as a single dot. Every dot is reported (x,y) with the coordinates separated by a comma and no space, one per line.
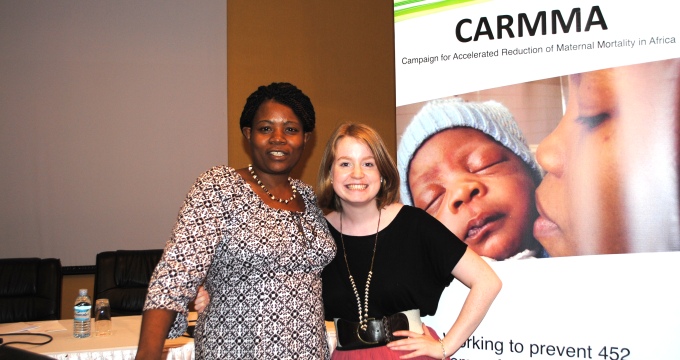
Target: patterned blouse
(261,267)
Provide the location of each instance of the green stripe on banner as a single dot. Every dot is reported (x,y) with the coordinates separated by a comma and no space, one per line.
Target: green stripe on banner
(415,8)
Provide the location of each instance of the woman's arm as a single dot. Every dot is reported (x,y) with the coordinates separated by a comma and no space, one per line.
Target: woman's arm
(155,328)
(484,285)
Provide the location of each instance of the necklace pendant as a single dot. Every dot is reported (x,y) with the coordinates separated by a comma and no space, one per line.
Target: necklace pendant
(363,316)
(271,196)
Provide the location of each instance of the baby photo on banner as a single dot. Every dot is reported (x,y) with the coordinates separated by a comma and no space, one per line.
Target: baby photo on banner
(545,136)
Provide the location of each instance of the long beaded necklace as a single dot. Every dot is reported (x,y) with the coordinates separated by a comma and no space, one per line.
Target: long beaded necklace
(363,316)
(290,181)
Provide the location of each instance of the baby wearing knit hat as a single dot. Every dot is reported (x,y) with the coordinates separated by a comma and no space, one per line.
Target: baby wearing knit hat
(468,165)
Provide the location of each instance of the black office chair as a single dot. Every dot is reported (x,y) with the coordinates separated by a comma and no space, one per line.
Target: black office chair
(12,353)
(30,289)
(123,277)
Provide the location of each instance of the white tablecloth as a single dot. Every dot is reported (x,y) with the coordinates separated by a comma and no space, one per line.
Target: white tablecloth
(120,345)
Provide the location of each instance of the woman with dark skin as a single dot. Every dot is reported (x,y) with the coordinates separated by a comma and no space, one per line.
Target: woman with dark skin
(256,239)
(469,165)
(611,164)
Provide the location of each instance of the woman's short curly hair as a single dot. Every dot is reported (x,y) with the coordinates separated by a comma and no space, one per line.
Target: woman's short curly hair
(283,93)
(389,187)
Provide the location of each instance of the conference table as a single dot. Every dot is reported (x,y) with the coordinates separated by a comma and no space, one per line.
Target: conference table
(120,345)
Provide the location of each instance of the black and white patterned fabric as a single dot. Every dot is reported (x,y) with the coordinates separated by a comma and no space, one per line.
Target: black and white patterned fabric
(261,267)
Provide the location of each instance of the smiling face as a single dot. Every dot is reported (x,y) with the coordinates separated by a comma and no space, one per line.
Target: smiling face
(276,138)
(476,187)
(355,176)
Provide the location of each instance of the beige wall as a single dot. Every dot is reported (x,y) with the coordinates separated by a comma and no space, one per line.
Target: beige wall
(340,53)
(108,112)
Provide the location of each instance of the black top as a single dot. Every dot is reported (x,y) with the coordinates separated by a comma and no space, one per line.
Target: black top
(413,264)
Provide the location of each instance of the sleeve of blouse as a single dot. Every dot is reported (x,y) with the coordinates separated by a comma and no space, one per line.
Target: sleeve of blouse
(318,221)
(189,252)
(443,247)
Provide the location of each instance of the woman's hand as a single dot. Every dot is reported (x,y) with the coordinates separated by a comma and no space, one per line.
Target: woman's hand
(202,299)
(419,344)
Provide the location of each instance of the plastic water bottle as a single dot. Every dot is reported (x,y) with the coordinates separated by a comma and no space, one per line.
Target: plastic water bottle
(81,315)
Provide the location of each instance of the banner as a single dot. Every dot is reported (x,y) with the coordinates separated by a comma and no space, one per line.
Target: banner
(545,135)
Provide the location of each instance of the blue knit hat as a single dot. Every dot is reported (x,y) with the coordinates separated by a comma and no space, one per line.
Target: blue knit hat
(490,117)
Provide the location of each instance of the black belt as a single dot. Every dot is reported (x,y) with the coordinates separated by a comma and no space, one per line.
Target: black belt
(378,332)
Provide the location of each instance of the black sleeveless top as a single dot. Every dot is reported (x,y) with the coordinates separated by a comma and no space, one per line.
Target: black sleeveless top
(413,263)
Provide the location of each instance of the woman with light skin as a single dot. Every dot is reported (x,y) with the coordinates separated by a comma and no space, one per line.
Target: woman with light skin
(468,165)
(392,259)
(611,182)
